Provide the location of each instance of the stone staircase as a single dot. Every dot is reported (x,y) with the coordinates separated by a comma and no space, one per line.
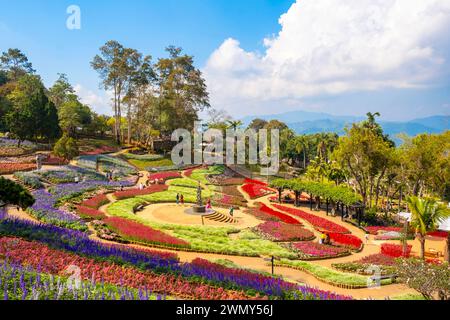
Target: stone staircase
(219,217)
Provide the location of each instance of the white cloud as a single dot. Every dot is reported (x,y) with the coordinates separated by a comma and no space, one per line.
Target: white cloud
(99,101)
(333,47)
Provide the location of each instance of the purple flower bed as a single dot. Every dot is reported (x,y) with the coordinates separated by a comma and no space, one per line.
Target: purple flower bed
(44,209)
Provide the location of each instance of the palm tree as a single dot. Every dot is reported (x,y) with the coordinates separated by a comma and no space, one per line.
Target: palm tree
(234,124)
(426,214)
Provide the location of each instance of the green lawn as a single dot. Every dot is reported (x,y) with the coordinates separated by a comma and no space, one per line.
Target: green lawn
(200,174)
(183,182)
(143,164)
(330,275)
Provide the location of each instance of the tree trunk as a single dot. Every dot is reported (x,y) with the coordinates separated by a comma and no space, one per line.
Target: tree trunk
(422,247)
(447,249)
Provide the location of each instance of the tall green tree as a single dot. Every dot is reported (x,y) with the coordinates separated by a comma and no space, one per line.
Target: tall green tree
(16,64)
(61,91)
(32,114)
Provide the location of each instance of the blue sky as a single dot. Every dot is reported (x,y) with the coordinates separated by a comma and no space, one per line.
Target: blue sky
(255,63)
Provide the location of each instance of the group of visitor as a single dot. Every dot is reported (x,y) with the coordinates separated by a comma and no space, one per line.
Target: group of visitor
(180,199)
(324,238)
(109,175)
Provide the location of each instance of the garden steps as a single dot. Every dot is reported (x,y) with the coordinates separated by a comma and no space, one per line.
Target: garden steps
(219,217)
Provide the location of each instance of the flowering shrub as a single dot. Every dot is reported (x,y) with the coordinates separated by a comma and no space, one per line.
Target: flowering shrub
(375,229)
(345,240)
(89,213)
(318,222)
(255,191)
(317,250)
(279,231)
(120,195)
(95,202)
(134,231)
(395,250)
(165,175)
(283,217)
(9,168)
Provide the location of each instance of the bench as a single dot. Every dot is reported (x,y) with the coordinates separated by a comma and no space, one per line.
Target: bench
(138,208)
(385,277)
(433,253)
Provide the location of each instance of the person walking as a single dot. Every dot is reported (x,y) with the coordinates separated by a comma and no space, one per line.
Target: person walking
(366,236)
(178,198)
(232,211)
(208,205)
(182,200)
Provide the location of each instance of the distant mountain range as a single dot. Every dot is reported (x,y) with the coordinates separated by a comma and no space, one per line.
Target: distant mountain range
(304,122)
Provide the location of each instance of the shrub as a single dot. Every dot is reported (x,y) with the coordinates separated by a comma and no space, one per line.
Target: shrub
(395,250)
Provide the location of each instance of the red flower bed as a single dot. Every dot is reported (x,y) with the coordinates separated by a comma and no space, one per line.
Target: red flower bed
(56,262)
(165,175)
(90,213)
(279,231)
(101,150)
(318,222)
(137,232)
(95,202)
(317,250)
(395,250)
(255,191)
(375,229)
(283,217)
(345,240)
(438,234)
(378,259)
(10,168)
(253,181)
(120,195)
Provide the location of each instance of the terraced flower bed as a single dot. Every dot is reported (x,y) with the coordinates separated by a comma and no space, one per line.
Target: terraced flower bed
(283,217)
(26,283)
(365,266)
(319,223)
(89,213)
(395,250)
(256,191)
(165,175)
(29,179)
(345,240)
(282,232)
(376,229)
(96,201)
(54,262)
(126,194)
(314,250)
(137,232)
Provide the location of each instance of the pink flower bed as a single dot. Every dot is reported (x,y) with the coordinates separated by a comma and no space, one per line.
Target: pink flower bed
(283,217)
(395,250)
(375,229)
(137,232)
(255,191)
(279,231)
(165,175)
(120,195)
(317,250)
(90,213)
(95,202)
(319,223)
(345,240)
